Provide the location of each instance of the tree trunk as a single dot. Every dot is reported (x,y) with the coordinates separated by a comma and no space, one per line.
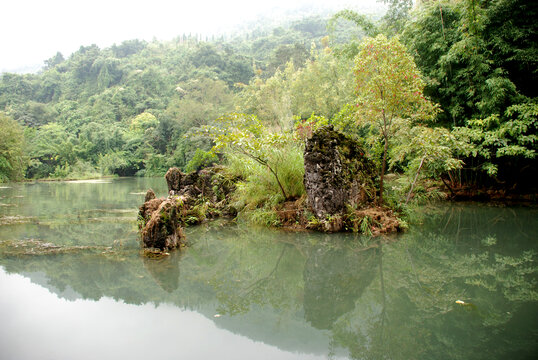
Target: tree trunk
(415,181)
(279,183)
(383,167)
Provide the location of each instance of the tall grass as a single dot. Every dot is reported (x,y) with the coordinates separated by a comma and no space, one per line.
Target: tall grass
(258,194)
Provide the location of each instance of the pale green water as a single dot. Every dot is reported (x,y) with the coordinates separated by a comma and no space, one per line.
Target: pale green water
(244,293)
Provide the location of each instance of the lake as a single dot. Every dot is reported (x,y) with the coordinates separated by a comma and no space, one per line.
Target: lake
(460,284)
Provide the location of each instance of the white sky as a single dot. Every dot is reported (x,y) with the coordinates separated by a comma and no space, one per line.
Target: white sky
(34,30)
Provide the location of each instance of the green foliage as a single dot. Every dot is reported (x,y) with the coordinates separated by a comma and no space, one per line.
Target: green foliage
(139,107)
(12,159)
(83,170)
(245,135)
(110,162)
(345,121)
(396,16)
(270,100)
(296,54)
(271,165)
(389,91)
(451,55)
(51,147)
(496,137)
(305,128)
(143,122)
(349,49)
(389,86)
(136,99)
(322,86)
(200,160)
(259,188)
(426,152)
(479,64)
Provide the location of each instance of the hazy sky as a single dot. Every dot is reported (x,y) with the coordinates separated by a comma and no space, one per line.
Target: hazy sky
(34,30)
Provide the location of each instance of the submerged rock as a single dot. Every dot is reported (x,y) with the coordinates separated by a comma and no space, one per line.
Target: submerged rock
(337,175)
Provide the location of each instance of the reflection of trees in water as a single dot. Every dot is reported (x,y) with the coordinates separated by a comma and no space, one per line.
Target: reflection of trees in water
(472,223)
(396,301)
(412,314)
(333,281)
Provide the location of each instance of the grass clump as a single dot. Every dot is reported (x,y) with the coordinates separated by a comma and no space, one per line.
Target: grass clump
(259,193)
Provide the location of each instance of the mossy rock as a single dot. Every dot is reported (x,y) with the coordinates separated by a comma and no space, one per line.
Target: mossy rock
(192,198)
(338,174)
(164,230)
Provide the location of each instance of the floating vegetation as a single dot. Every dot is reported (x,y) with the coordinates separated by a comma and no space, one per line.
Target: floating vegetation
(138,193)
(11,220)
(28,247)
(113,219)
(8,205)
(114,211)
(154,253)
(69,220)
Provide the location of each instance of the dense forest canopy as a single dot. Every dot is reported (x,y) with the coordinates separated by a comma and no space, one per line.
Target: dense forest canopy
(139,107)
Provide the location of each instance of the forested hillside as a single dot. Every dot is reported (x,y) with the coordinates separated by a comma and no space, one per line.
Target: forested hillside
(132,108)
(138,108)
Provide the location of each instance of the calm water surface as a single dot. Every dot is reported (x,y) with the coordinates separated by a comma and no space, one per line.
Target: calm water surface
(73,284)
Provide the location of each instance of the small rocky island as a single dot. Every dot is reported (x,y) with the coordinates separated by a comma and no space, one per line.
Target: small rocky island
(340,185)
(192,198)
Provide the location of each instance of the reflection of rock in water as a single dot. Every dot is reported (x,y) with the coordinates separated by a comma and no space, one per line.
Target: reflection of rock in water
(165,270)
(334,280)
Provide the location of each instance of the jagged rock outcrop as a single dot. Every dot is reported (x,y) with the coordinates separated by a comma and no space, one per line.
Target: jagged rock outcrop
(209,184)
(192,198)
(162,227)
(337,175)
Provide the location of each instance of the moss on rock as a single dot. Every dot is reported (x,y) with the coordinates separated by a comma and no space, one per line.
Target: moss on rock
(338,174)
(192,198)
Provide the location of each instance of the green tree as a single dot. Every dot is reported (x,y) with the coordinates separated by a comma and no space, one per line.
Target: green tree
(270,100)
(397,15)
(12,159)
(497,138)
(245,135)
(389,91)
(428,151)
(479,60)
(323,86)
(51,148)
(297,54)
(348,48)
(55,60)
(142,122)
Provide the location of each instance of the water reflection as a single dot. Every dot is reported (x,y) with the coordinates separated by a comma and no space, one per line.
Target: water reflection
(75,213)
(318,295)
(164,270)
(334,280)
(49,327)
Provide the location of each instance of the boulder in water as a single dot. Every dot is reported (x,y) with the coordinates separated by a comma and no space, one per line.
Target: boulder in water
(338,174)
(192,198)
